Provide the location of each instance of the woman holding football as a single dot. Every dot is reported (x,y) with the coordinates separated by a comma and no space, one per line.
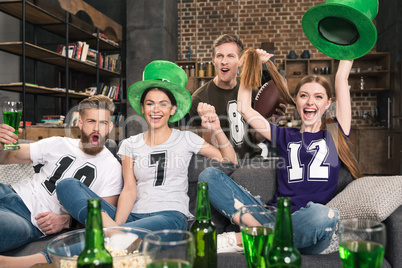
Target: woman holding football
(309,157)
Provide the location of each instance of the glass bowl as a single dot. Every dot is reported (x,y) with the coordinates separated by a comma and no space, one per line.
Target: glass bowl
(124,243)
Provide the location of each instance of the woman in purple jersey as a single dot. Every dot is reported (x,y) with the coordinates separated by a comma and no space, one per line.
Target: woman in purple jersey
(309,157)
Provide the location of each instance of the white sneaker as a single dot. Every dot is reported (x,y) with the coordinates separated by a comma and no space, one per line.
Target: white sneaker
(226,243)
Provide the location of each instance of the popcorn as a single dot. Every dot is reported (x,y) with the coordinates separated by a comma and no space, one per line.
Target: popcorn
(134,261)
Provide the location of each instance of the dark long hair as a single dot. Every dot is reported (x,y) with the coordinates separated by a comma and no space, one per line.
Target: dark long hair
(167,92)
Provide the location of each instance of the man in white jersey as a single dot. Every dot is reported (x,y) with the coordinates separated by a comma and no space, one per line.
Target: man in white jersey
(30,209)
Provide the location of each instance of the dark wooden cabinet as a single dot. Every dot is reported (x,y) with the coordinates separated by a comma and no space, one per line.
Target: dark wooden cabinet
(375,150)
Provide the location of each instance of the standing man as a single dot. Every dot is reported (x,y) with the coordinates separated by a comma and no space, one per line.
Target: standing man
(221,92)
(30,209)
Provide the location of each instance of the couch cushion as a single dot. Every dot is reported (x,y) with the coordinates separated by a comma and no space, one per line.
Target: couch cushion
(259,178)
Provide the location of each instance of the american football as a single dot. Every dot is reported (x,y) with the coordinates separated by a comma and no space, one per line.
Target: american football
(267,99)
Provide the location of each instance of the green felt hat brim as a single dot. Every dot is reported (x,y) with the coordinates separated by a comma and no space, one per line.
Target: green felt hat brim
(182,96)
(365,27)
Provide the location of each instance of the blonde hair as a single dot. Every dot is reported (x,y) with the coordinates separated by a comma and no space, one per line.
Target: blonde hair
(96,102)
(227,38)
(252,72)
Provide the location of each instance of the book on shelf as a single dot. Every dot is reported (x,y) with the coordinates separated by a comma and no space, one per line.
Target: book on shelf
(78,50)
(112,62)
(53,119)
(53,116)
(117,119)
(106,90)
(106,39)
(91,56)
(71,50)
(81,51)
(91,90)
(59,49)
(84,52)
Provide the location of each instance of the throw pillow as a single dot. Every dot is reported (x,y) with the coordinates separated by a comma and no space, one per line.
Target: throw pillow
(373,198)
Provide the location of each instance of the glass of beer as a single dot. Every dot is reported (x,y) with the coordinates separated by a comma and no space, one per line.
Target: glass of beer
(257,224)
(361,243)
(169,249)
(12,113)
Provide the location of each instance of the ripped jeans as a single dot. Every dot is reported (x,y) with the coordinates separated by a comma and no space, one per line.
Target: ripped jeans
(312,225)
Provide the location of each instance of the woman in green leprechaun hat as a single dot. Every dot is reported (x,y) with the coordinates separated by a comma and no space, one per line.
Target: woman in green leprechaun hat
(155,162)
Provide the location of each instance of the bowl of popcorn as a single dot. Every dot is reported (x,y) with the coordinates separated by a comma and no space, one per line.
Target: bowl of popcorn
(124,243)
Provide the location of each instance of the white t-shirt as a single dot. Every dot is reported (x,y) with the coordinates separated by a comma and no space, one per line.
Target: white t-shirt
(62,158)
(161,171)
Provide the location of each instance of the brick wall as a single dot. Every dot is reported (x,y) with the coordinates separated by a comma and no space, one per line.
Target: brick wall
(256,22)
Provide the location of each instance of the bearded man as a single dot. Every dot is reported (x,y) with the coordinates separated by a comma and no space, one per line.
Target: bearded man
(30,209)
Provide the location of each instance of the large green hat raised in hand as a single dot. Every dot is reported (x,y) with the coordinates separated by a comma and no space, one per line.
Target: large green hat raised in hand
(342,29)
(167,75)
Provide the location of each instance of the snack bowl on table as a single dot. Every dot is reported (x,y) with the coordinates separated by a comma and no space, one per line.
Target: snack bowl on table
(124,243)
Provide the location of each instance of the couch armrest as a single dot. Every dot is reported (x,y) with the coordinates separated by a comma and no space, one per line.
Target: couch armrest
(394,238)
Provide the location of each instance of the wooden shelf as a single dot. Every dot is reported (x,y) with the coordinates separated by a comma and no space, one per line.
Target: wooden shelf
(44,55)
(369,73)
(375,80)
(41,90)
(369,90)
(54,21)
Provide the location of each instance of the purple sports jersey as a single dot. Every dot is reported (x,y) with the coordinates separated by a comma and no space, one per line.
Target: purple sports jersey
(308,166)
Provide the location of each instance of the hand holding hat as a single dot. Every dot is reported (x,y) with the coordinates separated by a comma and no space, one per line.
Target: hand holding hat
(342,29)
(167,75)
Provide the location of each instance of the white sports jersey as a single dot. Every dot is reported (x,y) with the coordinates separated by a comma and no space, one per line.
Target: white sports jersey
(62,158)
(161,171)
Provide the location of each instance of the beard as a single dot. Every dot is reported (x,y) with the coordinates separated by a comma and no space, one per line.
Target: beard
(93,144)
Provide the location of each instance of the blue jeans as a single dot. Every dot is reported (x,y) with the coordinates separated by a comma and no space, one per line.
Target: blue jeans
(16,228)
(312,225)
(74,195)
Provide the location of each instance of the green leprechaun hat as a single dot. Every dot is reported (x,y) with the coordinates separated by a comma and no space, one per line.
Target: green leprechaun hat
(167,75)
(342,29)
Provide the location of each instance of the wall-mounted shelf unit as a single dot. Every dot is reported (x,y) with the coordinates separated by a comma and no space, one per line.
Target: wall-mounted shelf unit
(373,67)
(41,14)
(296,69)
(194,82)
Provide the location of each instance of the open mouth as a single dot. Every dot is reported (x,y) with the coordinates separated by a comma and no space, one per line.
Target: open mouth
(309,113)
(225,70)
(156,117)
(95,139)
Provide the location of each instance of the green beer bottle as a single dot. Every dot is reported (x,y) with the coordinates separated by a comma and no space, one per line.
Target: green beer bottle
(94,253)
(283,253)
(204,231)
